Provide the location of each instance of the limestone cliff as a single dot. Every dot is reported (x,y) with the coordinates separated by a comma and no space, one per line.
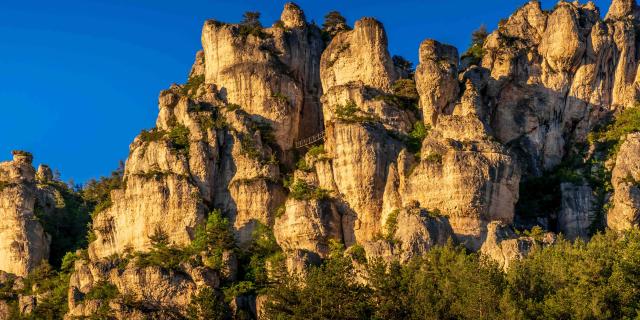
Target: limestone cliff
(23,242)
(625,210)
(409,159)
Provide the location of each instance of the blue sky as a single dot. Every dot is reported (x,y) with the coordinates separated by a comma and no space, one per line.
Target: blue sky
(79,79)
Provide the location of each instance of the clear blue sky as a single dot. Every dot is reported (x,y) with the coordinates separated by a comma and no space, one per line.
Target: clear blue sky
(79,79)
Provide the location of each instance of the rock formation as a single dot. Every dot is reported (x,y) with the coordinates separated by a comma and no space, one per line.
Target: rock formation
(23,242)
(409,160)
(625,210)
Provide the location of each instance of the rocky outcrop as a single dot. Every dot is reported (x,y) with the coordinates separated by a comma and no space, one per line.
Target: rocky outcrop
(437,80)
(504,246)
(462,171)
(554,75)
(625,210)
(140,291)
(271,73)
(23,242)
(410,233)
(308,225)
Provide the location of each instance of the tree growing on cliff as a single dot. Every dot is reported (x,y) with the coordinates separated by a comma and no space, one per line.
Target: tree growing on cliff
(475,52)
(334,23)
(250,25)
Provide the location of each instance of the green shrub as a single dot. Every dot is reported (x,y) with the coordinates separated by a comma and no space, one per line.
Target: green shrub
(214,234)
(102,291)
(251,25)
(416,136)
(241,288)
(249,148)
(193,84)
(333,24)
(316,151)
(611,136)
(358,253)
(303,166)
(476,50)
(179,138)
(152,135)
(434,158)
(349,113)
(207,304)
(301,190)
(391,225)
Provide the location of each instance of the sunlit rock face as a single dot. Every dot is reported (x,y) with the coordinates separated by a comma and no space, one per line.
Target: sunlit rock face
(625,210)
(23,242)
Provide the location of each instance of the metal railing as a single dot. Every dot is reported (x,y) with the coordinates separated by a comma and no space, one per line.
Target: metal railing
(309,140)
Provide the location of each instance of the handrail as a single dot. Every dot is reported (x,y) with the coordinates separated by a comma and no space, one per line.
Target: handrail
(309,140)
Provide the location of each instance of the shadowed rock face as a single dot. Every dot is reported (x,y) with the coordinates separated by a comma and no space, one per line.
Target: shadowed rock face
(553,75)
(23,242)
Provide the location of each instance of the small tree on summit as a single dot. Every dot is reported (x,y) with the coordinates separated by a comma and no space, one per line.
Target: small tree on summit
(250,24)
(334,23)
(251,19)
(475,52)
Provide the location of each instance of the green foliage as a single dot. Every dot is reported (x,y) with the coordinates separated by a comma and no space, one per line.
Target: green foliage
(403,65)
(405,95)
(240,288)
(179,138)
(190,88)
(97,193)
(476,51)
(416,136)
(303,166)
(595,280)
(152,135)
(249,148)
(251,25)
(334,23)
(349,113)
(67,222)
(358,253)
(212,239)
(208,304)
(611,136)
(301,190)
(162,254)
(44,279)
(434,158)
(329,291)
(253,261)
(102,290)
(316,151)
(391,225)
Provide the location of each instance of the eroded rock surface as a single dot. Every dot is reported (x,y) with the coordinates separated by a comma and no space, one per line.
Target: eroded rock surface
(23,242)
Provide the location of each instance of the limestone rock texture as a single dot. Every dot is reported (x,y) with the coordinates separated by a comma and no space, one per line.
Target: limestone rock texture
(578,211)
(625,210)
(23,242)
(273,75)
(555,74)
(462,171)
(162,294)
(504,246)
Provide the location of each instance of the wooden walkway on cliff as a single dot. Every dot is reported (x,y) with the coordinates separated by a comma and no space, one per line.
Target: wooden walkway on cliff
(309,140)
